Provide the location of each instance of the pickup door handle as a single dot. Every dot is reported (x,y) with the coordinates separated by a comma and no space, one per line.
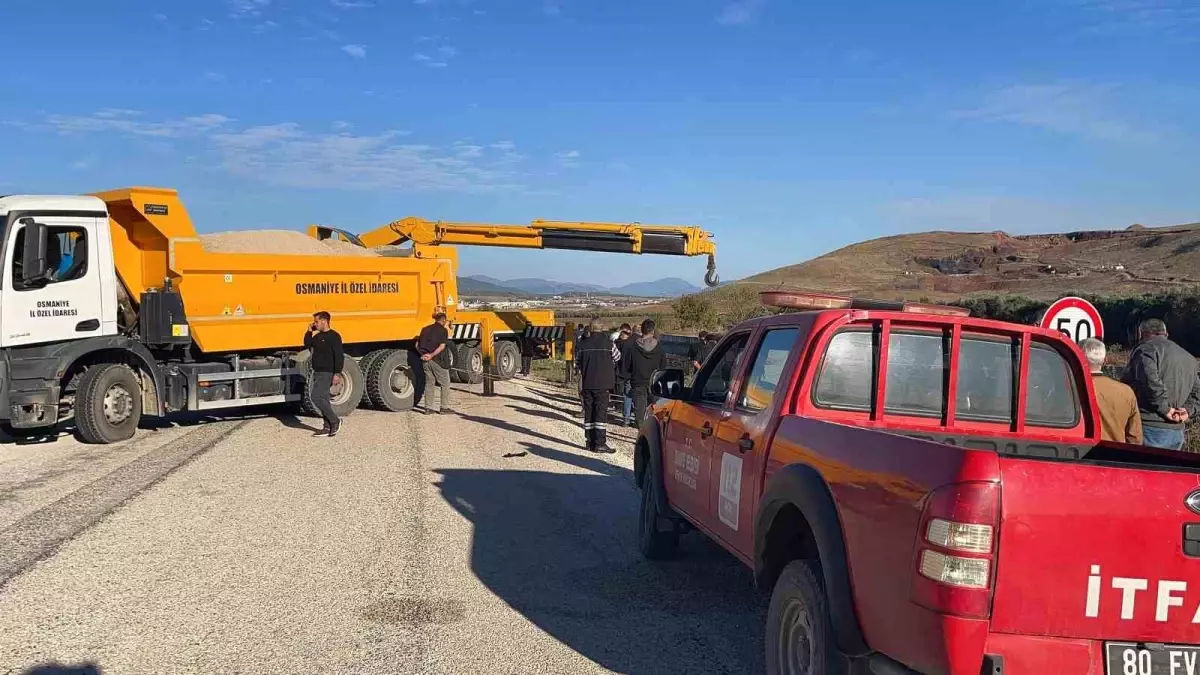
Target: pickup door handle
(86,326)
(706,430)
(745,443)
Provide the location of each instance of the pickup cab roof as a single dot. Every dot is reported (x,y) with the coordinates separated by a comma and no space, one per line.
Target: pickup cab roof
(968,374)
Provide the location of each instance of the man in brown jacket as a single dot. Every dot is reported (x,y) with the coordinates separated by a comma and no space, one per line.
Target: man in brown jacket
(1119,417)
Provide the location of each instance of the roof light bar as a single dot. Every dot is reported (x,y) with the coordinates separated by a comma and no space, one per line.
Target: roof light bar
(810,301)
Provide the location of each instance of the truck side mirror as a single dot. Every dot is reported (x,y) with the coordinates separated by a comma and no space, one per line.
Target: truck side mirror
(34,262)
(667,384)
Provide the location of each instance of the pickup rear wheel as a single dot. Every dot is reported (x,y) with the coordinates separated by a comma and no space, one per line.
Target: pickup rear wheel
(799,638)
(108,404)
(654,542)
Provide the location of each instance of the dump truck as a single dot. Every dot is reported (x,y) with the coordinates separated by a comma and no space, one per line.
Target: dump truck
(112,307)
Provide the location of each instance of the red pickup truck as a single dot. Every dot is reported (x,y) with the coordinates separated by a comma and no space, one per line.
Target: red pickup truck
(925,492)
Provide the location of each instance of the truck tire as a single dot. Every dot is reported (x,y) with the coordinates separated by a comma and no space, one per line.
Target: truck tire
(799,636)
(108,404)
(365,364)
(468,364)
(345,399)
(390,386)
(654,542)
(508,360)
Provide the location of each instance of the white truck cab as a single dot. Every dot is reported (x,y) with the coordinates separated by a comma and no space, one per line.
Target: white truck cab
(60,345)
(58,281)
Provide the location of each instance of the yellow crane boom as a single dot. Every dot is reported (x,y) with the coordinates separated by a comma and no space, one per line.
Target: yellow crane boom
(687,240)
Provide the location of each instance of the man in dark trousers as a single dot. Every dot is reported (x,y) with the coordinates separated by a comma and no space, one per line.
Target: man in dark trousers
(594,354)
(1163,377)
(623,403)
(433,344)
(642,356)
(327,359)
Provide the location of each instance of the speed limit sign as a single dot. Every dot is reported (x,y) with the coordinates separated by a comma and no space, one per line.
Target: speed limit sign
(1074,317)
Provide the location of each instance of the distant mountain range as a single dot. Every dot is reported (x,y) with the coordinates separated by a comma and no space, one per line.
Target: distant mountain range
(478,284)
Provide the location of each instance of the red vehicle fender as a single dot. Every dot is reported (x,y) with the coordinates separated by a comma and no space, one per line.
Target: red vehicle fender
(797,502)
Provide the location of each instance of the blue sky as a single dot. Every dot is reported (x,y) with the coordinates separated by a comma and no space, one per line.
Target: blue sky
(787,128)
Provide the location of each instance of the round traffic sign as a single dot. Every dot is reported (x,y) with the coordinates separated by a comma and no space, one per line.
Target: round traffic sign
(1076,318)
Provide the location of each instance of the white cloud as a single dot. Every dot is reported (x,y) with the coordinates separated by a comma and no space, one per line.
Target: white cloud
(429,61)
(569,158)
(160,17)
(1176,18)
(132,123)
(447,51)
(290,155)
(213,76)
(351,4)
(357,51)
(1074,108)
(85,163)
(741,12)
(247,8)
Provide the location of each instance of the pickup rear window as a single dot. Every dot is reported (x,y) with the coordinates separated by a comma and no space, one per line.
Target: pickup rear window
(916,378)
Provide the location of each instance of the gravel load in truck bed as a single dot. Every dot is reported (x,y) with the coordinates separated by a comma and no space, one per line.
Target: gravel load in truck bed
(278,242)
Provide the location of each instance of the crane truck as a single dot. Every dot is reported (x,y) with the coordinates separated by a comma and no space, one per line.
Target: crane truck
(111,308)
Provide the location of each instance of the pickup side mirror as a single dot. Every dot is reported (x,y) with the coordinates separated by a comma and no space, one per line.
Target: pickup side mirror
(34,260)
(668,384)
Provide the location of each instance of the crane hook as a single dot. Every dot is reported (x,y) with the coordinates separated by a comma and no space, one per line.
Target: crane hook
(711,278)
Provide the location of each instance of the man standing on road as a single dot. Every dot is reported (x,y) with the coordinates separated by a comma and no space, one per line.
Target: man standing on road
(1163,375)
(1119,418)
(623,403)
(433,346)
(327,359)
(594,354)
(642,356)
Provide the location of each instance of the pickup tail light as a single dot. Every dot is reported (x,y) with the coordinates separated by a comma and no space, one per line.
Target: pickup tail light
(954,565)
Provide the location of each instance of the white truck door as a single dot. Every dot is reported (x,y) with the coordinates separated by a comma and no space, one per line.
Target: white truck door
(66,306)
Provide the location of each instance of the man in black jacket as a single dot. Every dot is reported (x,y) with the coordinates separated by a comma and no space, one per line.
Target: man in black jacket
(433,345)
(327,361)
(1163,376)
(594,354)
(621,401)
(642,356)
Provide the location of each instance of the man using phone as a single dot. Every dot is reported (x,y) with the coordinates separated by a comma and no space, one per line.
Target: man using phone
(327,361)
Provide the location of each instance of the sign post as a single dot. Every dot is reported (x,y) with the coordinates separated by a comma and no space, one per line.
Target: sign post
(1075,318)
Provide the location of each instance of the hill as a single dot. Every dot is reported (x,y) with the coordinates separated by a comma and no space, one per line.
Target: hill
(479,284)
(474,286)
(944,266)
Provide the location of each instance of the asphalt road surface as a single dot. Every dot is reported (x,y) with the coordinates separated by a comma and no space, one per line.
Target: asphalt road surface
(483,542)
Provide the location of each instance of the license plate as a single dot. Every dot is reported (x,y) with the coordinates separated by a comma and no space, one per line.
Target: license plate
(1127,658)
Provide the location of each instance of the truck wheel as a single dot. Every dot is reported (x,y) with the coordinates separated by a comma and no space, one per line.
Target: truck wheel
(468,364)
(345,398)
(452,351)
(108,404)
(653,541)
(508,360)
(799,636)
(389,384)
(365,364)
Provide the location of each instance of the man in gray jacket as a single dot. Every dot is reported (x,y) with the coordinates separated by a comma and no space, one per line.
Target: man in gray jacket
(1163,376)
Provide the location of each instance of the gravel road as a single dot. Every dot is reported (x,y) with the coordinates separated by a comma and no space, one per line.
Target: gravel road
(483,542)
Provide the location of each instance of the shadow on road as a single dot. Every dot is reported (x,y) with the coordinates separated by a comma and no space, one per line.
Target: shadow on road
(561,549)
(59,669)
